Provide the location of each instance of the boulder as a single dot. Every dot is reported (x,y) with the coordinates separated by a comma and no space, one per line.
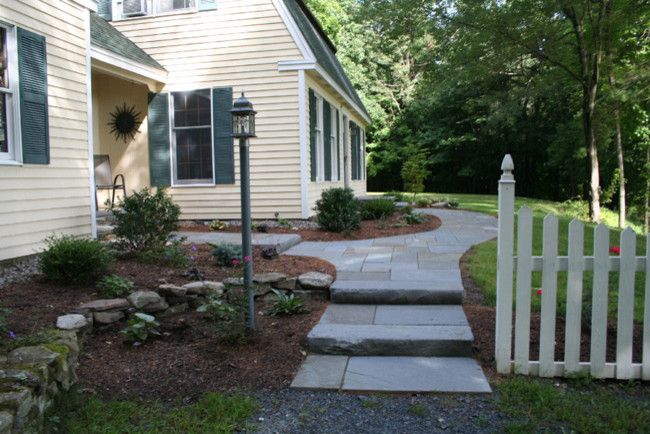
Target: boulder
(38,354)
(140,299)
(172,290)
(15,398)
(234,281)
(179,308)
(71,322)
(286,284)
(102,305)
(24,378)
(269,278)
(204,287)
(104,318)
(315,281)
(6,422)
(156,307)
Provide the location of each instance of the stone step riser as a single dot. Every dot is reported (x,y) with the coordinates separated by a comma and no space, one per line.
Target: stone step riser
(381,347)
(396,296)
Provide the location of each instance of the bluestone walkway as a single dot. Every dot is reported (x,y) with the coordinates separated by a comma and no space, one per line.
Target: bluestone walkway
(396,322)
(281,242)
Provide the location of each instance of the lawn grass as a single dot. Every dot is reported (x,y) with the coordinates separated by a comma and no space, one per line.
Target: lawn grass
(482,261)
(74,413)
(576,406)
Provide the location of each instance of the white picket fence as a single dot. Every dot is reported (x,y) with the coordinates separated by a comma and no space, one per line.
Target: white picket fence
(627,264)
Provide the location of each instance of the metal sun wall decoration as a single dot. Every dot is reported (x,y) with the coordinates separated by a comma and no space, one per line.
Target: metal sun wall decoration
(125,122)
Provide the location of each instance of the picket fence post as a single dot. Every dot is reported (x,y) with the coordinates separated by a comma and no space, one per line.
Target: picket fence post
(505,246)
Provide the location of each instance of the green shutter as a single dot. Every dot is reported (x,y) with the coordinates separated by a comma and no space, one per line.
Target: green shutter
(207,5)
(105,9)
(159,144)
(34,121)
(353,150)
(312,132)
(338,145)
(327,142)
(224,151)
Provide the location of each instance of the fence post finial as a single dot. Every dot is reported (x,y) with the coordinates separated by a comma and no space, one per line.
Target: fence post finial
(507,166)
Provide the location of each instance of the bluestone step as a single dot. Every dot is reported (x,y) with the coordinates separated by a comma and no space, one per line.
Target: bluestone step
(414,315)
(395,292)
(391,340)
(392,374)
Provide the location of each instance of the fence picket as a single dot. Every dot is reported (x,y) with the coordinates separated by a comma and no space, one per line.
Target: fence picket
(599,301)
(524,269)
(625,323)
(549,297)
(574,298)
(645,368)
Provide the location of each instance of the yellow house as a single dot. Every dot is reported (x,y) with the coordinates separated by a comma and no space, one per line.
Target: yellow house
(310,121)
(72,72)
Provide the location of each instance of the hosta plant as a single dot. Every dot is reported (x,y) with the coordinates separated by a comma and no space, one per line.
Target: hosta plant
(286,304)
(114,286)
(141,328)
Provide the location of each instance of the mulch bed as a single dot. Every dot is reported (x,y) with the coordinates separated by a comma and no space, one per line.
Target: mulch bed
(189,359)
(369,229)
(482,319)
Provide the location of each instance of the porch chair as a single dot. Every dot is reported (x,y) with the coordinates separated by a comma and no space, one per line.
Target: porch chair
(104,178)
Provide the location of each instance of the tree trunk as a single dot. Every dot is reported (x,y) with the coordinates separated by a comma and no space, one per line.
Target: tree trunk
(621,169)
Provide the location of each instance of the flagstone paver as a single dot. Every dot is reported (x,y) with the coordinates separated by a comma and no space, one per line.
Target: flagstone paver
(281,242)
(397,324)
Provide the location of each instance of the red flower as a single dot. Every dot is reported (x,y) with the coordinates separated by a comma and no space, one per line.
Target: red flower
(539,292)
(235,262)
(615,249)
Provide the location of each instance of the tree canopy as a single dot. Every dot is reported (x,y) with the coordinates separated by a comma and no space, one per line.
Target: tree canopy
(562,85)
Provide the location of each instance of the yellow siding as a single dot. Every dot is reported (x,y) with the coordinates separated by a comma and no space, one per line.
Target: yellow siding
(315,189)
(238,45)
(35,200)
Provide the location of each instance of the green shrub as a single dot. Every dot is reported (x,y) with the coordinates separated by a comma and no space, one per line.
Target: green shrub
(146,221)
(227,255)
(229,316)
(397,196)
(286,304)
(70,260)
(114,286)
(172,255)
(217,225)
(408,209)
(217,308)
(412,219)
(376,209)
(338,210)
(423,202)
(141,328)
(453,204)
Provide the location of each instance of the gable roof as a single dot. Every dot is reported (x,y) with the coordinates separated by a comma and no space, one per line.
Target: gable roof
(322,47)
(104,35)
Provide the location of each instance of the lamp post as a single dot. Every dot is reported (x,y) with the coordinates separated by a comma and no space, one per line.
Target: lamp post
(243,128)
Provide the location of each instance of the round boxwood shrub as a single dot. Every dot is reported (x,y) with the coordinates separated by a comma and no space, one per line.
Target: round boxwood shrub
(338,210)
(73,261)
(145,221)
(377,208)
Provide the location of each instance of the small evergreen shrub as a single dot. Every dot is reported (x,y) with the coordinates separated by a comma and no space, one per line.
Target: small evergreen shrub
(408,209)
(453,204)
(217,225)
(114,286)
(338,211)
(412,219)
(423,202)
(141,328)
(72,261)
(376,209)
(227,255)
(146,221)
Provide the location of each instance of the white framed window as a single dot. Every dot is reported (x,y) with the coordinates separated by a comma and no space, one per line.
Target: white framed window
(9,100)
(191,137)
(147,8)
(334,143)
(320,141)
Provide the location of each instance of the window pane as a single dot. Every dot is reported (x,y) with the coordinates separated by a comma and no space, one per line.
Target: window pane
(194,154)
(192,109)
(4,59)
(4,139)
(171,5)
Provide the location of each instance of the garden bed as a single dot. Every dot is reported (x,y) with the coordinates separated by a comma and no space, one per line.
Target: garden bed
(386,227)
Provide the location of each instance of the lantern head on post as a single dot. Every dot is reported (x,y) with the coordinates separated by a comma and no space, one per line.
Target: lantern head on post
(243,118)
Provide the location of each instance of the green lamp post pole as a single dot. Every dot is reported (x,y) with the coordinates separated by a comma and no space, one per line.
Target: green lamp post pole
(243,117)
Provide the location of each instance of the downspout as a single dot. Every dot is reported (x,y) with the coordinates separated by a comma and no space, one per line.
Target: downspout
(91,144)
(304,145)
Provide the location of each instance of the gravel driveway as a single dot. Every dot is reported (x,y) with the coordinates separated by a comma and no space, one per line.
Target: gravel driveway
(305,412)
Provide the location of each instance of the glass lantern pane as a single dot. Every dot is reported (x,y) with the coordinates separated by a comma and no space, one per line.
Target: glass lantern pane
(251,124)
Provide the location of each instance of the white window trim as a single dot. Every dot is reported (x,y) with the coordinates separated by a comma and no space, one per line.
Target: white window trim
(320,141)
(334,143)
(155,10)
(172,144)
(347,174)
(14,156)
